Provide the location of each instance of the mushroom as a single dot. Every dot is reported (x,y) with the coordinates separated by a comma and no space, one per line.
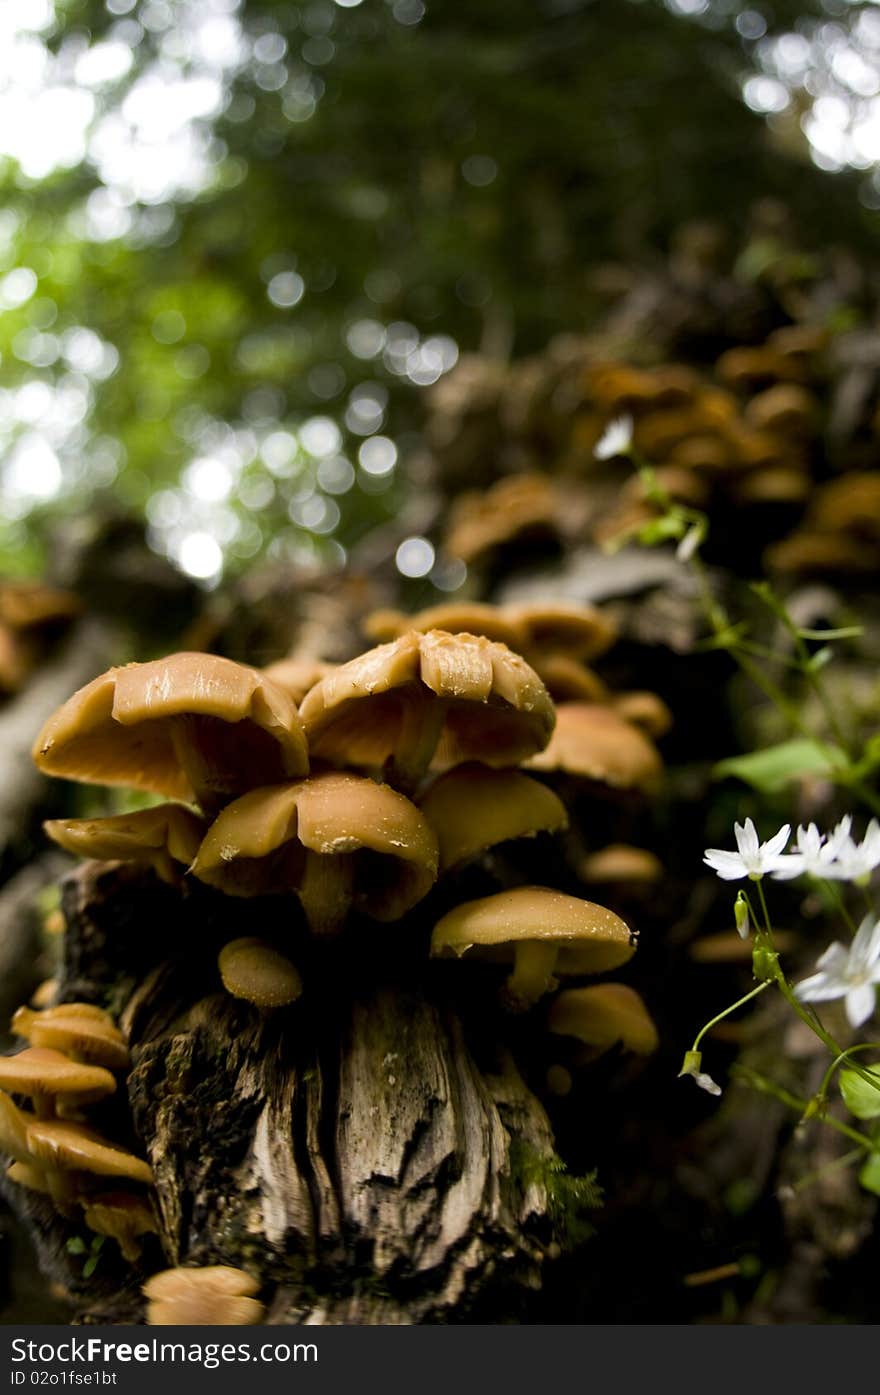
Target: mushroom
(26,605)
(192,727)
(80,1031)
(44,1075)
(165,837)
(216,1295)
(511,509)
(580,631)
(596,743)
(786,408)
(26,1174)
(601,1016)
(13,1130)
(621,863)
(122,1217)
(17,658)
(455,617)
(543,932)
(472,808)
(750,367)
(251,969)
(645,710)
(775,485)
(333,839)
(72,1147)
(429,697)
(567,680)
(297,674)
(822,553)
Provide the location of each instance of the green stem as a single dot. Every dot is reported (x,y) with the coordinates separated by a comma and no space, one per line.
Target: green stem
(794,1102)
(838,1061)
(728,1010)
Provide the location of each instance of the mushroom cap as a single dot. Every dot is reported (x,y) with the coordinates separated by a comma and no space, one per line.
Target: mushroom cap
(216,1295)
(602,1015)
(568,680)
(455,617)
(849,504)
(644,709)
(297,674)
(621,863)
(122,1216)
(580,631)
(512,506)
(254,847)
(74,1029)
(126,727)
(589,938)
(783,407)
(147,835)
(39,1070)
(773,485)
(13,1130)
(74,1148)
(27,604)
(25,1174)
(473,807)
(597,743)
(252,969)
(17,658)
(497,708)
(805,551)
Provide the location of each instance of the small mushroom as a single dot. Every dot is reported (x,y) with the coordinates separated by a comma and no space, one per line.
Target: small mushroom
(645,710)
(122,1217)
(580,631)
(777,485)
(512,509)
(251,969)
(620,863)
(80,1031)
(544,932)
(429,697)
(13,1130)
(568,680)
(333,839)
(602,1015)
(596,743)
(297,674)
(786,408)
(192,727)
(472,808)
(165,837)
(216,1295)
(455,617)
(44,1076)
(27,605)
(72,1147)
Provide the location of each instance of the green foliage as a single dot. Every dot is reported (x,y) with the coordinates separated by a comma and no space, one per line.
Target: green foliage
(570,1198)
(774,768)
(861,1096)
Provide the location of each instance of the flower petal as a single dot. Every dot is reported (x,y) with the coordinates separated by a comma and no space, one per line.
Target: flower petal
(728,865)
(746,838)
(774,846)
(865,949)
(860,1003)
(820,988)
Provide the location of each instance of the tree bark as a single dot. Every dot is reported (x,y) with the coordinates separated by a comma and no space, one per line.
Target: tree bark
(369,1152)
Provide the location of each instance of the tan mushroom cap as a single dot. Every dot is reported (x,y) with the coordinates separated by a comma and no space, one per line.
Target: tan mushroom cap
(455,617)
(215,1295)
(75,1148)
(77,1030)
(40,1072)
(27,604)
(435,696)
(473,807)
(13,1130)
(122,1217)
(596,743)
(603,1015)
(777,485)
(784,407)
(333,839)
(544,932)
(580,631)
(849,504)
(511,508)
(568,680)
(26,1174)
(17,657)
(297,674)
(191,726)
(619,862)
(165,837)
(252,969)
(644,709)
(822,553)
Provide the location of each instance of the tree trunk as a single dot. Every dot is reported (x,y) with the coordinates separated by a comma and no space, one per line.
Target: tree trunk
(366,1152)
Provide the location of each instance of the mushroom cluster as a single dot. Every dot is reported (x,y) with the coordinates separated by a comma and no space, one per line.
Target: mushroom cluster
(73,1056)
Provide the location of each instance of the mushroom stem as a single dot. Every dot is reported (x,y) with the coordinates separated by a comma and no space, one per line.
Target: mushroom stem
(424,715)
(532,975)
(191,739)
(326,891)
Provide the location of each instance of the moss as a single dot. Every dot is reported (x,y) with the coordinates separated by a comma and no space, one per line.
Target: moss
(570,1198)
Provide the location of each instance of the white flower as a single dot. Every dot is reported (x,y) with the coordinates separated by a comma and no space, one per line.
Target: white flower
(690,542)
(616,439)
(752,859)
(854,862)
(815,853)
(848,973)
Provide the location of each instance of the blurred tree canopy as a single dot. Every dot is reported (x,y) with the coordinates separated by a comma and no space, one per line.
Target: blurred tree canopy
(238,238)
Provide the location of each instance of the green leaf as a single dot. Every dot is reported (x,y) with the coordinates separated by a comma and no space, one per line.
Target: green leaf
(870,1174)
(90,1266)
(75,1246)
(775,767)
(860,1097)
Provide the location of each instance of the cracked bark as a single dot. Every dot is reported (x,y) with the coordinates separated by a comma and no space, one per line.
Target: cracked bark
(362,1151)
